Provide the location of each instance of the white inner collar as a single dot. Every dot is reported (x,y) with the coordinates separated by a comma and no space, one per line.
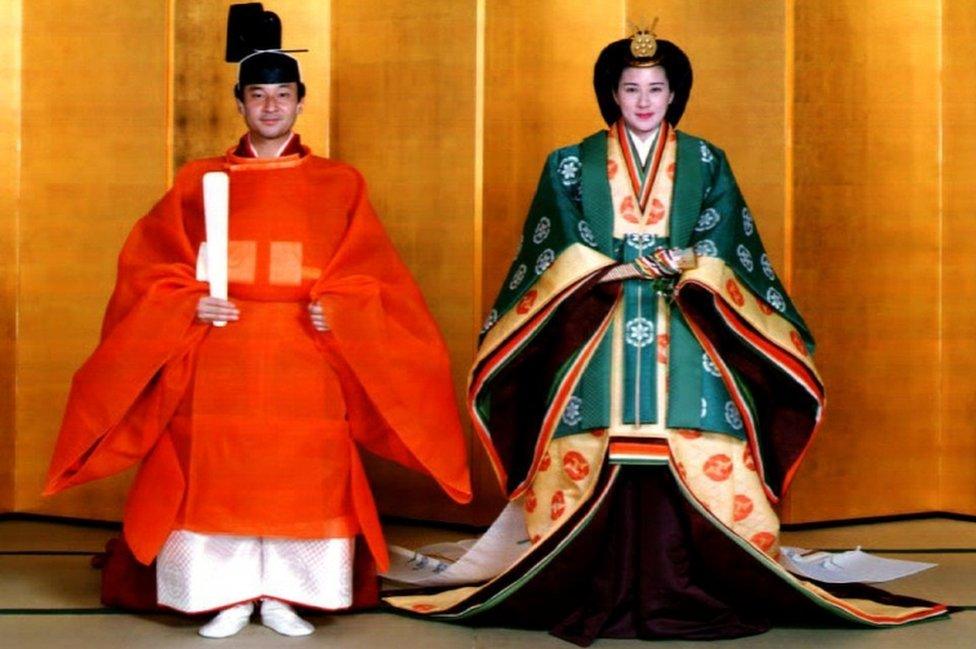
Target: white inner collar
(644,146)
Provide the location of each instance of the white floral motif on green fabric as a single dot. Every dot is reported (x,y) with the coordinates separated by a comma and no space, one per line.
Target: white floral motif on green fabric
(544,261)
(745,257)
(569,170)
(767,267)
(732,416)
(748,226)
(639,332)
(640,241)
(518,277)
(775,298)
(586,233)
(706,154)
(708,220)
(572,414)
(709,366)
(542,230)
(706,248)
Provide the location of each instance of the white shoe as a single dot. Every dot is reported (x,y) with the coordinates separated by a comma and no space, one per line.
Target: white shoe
(278,616)
(228,622)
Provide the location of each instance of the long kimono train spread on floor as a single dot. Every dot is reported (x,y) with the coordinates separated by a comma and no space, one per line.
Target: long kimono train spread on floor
(247,434)
(642,442)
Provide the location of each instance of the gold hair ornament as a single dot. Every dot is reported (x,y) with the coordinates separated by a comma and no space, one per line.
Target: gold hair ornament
(643,44)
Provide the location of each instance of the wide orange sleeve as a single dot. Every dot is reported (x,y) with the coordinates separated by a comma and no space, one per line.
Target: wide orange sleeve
(382,328)
(123,396)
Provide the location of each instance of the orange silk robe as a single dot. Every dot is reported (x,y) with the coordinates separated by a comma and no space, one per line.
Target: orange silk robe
(253,428)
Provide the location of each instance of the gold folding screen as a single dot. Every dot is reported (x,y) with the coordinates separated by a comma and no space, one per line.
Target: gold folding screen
(870,233)
(957,277)
(93,157)
(10,71)
(848,125)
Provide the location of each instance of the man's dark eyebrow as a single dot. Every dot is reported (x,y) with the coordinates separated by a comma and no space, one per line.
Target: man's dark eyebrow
(256,87)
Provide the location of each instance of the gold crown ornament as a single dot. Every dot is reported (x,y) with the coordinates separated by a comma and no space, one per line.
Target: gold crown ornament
(643,43)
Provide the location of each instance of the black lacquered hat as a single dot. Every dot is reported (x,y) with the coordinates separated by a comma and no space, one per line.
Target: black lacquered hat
(254,43)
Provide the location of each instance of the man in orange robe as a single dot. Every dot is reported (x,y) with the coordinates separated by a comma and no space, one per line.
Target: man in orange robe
(250,485)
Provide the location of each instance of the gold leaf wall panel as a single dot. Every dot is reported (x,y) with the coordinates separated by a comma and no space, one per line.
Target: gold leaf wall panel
(957,450)
(403,113)
(93,160)
(10,98)
(538,96)
(205,118)
(866,251)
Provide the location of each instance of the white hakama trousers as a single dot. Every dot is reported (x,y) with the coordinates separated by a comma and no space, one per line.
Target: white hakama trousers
(205,572)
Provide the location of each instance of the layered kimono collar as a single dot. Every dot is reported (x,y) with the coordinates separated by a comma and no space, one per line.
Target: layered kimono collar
(642,175)
(643,146)
(291,154)
(291,147)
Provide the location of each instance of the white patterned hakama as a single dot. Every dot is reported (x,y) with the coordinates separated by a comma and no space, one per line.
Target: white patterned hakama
(205,572)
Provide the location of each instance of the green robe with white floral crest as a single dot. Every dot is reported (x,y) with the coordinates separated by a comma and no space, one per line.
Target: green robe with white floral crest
(572,208)
(562,396)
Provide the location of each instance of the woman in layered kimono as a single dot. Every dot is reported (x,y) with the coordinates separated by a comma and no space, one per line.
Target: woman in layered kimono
(645,389)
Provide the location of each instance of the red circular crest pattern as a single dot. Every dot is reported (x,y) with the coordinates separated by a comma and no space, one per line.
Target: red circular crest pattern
(670,171)
(748,460)
(530,501)
(525,304)
(598,432)
(628,211)
(732,288)
(575,466)
(611,169)
(798,342)
(718,467)
(689,433)
(423,608)
(741,507)
(656,213)
(557,506)
(765,308)
(545,462)
(763,540)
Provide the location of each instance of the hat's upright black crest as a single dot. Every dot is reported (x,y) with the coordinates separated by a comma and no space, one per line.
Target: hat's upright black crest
(250,28)
(254,42)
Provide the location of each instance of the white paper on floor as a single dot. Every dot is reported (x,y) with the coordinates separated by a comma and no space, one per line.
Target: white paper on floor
(846,567)
(465,562)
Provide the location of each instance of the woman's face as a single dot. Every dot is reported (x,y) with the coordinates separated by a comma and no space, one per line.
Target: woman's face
(643,95)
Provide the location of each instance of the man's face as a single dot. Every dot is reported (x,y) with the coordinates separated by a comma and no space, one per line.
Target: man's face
(270,109)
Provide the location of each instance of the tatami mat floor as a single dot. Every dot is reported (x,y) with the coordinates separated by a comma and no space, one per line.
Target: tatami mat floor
(49,598)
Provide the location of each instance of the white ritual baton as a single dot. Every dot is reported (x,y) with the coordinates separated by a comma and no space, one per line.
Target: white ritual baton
(216,201)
